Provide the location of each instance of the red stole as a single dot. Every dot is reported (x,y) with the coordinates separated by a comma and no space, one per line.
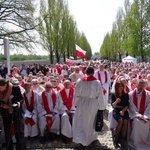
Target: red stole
(142,103)
(127,89)
(139,77)
(148,88)
(88,78)
(58,88)
(114,77)
(22,84)
(132,86)
(45,101)
(30,108)
(46,107)
(99,78)
(10,76)
(52,70)
(58,69)
(67,100)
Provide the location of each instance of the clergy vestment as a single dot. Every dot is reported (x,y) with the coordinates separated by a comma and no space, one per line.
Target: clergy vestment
(105,80)
(139,131)
(47,118)
(66,108)
(30,115)
(75,76)
(87,99)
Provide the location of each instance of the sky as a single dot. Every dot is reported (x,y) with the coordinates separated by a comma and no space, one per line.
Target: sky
(95,18)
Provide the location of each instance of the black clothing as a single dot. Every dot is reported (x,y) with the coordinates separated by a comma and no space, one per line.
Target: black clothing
(35,70)
(124,102)
(15,117)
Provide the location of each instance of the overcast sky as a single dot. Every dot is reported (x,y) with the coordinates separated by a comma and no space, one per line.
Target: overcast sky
(95,18)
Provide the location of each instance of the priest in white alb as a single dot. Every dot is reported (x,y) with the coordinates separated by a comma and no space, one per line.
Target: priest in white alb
(48,119)
(30,111)
(87,100)
(139,111)
(104,77)
(66,109)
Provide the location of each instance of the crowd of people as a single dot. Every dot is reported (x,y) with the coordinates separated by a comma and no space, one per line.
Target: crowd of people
(61,101)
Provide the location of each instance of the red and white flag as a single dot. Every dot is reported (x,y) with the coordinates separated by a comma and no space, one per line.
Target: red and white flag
(80,52)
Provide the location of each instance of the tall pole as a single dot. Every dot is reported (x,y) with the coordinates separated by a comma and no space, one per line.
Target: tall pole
(7,54)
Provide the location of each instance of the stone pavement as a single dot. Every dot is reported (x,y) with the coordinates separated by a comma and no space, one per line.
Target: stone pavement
(104,141)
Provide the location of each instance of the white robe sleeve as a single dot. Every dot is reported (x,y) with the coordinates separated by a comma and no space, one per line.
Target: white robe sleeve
(76,93)
(100,97)
(59,107)
(133,111)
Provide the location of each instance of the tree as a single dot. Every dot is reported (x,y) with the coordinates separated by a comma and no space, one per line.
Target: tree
(17,22)
(105,48)
(126,42)
(138,23)
(58,31)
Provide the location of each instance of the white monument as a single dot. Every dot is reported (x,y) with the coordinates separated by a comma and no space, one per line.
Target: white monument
(7,55)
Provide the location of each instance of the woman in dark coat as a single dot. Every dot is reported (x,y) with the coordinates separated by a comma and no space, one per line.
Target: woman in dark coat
(10,99)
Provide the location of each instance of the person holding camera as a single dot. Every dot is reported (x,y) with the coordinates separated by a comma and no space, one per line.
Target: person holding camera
(10,99)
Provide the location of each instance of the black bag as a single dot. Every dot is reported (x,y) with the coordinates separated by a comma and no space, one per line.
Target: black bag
(99,121)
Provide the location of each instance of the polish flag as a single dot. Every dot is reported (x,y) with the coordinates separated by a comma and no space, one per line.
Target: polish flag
(80,52)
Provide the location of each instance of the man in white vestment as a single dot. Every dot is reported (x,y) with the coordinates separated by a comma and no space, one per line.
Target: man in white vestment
(30,111)
(104,77)
(67,110)
(53,70)
(87,100)
(139,111)
(48,119)
(36,86)
(55,85)
(76,74)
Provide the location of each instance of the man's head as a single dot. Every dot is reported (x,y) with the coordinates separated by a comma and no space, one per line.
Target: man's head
(90,70)
(27,86)
(48,87)
(101,67)
(84,70)
(76,69)
(34,83)
(67,84)
(54,82)
(141,85)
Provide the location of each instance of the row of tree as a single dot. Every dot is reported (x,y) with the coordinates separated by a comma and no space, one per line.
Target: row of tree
(21,57)
(130,33)
(29,24)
